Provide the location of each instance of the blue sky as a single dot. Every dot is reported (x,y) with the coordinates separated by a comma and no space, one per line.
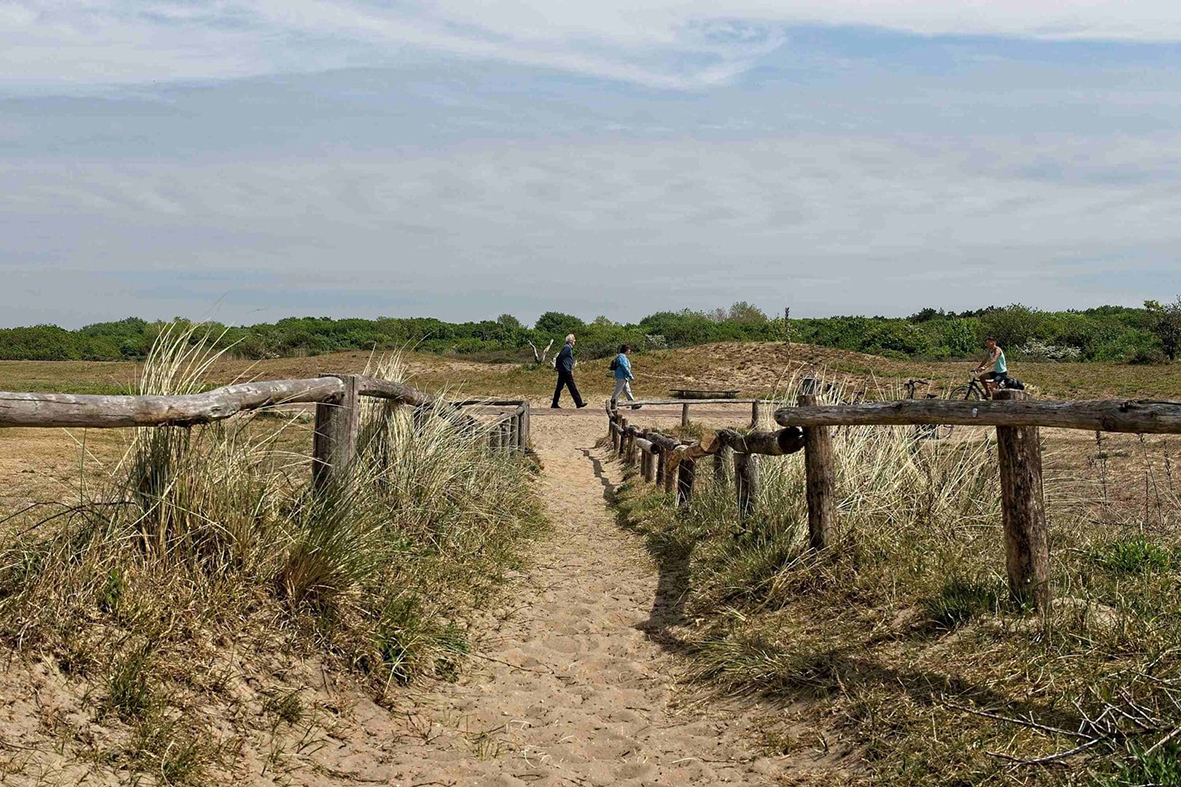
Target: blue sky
(249,160)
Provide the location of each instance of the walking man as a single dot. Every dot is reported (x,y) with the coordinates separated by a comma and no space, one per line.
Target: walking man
(564,363)
(622,368)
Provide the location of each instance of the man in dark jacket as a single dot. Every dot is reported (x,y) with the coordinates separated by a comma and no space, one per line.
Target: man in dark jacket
(564,363)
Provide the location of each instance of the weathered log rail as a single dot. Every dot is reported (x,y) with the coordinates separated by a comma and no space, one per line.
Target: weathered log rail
(1016,417)
(756,406)
(338,412)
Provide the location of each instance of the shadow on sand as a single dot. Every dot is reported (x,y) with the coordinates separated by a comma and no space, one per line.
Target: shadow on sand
(813,674)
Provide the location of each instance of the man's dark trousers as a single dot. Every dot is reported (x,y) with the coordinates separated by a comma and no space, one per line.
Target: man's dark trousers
(567,379)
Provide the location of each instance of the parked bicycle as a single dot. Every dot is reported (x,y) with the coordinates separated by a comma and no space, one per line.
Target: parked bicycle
(927,431)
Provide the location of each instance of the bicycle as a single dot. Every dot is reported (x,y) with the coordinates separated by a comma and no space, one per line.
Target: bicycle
(974,390)
(927,431)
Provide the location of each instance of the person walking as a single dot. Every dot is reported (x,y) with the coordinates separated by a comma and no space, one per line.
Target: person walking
(564,363)
(622,367)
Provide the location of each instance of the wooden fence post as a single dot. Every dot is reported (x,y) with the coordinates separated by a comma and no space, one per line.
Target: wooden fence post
(334,441)
(622,448)
(649,467)
(615,433)
(526,434)
(721,459)
(1027,547)
(661,466)
(685,414)
(670,472)
(686,476)
(821,480)
(746,482)
(754,414)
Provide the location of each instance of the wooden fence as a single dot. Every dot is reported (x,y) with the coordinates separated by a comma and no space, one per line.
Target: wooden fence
(338,412)
(670,462)
(756,406)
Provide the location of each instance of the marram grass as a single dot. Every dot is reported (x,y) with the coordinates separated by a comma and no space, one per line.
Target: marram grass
(205,542)
(899,651)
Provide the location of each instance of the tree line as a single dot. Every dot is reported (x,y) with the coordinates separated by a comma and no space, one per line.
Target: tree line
(1151,334)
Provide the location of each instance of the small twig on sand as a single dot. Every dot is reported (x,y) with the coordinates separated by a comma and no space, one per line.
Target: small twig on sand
(1023,722)
(1062,755)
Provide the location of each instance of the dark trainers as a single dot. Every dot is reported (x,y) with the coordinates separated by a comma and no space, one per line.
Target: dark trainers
(582,405)
(555,407)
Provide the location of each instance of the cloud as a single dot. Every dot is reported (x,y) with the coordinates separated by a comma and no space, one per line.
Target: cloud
(669,44)
(825,224)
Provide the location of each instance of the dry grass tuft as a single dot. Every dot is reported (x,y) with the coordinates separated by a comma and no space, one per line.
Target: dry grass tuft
(206,536)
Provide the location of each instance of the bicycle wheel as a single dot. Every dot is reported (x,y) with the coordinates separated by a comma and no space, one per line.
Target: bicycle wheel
(970,393)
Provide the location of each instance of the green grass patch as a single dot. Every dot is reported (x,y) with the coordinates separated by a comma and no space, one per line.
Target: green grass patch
(1134,556)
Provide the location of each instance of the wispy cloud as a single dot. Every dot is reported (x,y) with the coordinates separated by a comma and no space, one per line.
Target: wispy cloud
(827,224)
(677,44)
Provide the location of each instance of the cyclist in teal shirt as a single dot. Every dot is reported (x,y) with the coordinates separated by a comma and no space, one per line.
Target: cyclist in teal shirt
(994,369)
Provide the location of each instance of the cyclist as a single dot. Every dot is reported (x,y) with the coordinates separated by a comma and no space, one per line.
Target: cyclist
(994,369)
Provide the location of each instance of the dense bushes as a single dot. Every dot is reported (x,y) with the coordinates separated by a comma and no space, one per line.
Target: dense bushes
(1107,333)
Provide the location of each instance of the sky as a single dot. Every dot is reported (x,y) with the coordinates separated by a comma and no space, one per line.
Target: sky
(248,160)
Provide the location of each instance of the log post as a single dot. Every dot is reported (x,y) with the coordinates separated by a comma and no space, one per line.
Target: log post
(650,467)
(526,425)
(721,459)
(686,476)
(661,466)
(821,480)
(685,414)
(1027,547)
(615,433)
(622,449)
(746,482)
(754,414)
(334,442)
(671,471)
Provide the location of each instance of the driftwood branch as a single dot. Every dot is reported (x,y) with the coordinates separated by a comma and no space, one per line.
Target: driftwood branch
(540,356)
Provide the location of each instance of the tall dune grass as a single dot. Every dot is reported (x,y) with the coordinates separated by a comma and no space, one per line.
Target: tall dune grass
(211,534)
(899,648)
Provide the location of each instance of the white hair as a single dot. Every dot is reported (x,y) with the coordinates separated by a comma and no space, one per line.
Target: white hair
(569,338)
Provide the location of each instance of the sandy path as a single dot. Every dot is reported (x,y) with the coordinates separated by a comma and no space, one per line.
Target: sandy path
(587,700)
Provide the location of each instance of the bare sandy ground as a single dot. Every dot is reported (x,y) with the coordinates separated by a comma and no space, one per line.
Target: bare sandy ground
(575,687)
(573,683)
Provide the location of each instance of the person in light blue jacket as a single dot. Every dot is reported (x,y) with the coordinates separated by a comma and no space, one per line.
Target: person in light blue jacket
(622,367)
